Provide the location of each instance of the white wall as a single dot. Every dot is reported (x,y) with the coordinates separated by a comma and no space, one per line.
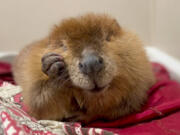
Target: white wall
(23,21)
(156,21)
(167,26)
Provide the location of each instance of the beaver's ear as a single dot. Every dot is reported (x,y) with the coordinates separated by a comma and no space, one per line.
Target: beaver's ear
(113,30)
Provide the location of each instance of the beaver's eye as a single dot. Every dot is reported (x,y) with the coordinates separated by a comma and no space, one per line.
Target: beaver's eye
(63,46)
(108,38)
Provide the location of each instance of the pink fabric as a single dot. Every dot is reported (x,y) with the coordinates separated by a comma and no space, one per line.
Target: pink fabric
(5,73)
(159,116)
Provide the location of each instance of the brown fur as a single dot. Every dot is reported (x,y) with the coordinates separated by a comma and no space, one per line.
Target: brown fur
(128,68)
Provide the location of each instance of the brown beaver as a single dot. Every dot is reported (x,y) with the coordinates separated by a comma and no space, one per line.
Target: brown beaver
(87,68)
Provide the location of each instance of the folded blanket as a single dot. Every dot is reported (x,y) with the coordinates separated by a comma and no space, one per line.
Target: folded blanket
(160,115)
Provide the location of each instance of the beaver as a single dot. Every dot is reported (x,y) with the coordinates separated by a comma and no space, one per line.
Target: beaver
(87,68)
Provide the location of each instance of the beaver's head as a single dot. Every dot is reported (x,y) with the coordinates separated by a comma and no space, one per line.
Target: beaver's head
(87,44)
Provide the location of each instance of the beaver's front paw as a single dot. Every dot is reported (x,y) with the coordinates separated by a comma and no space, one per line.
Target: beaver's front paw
(53,65)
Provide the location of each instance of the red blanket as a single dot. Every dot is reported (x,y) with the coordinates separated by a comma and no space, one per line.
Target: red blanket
(160,115)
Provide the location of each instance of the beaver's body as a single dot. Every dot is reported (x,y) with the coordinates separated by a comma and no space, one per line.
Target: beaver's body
(62,88)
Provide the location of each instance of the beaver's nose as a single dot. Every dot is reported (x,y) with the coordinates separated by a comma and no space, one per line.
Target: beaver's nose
(91,64)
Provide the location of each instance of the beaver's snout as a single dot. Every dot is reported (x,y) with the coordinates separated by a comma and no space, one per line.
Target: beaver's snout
(91,64)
